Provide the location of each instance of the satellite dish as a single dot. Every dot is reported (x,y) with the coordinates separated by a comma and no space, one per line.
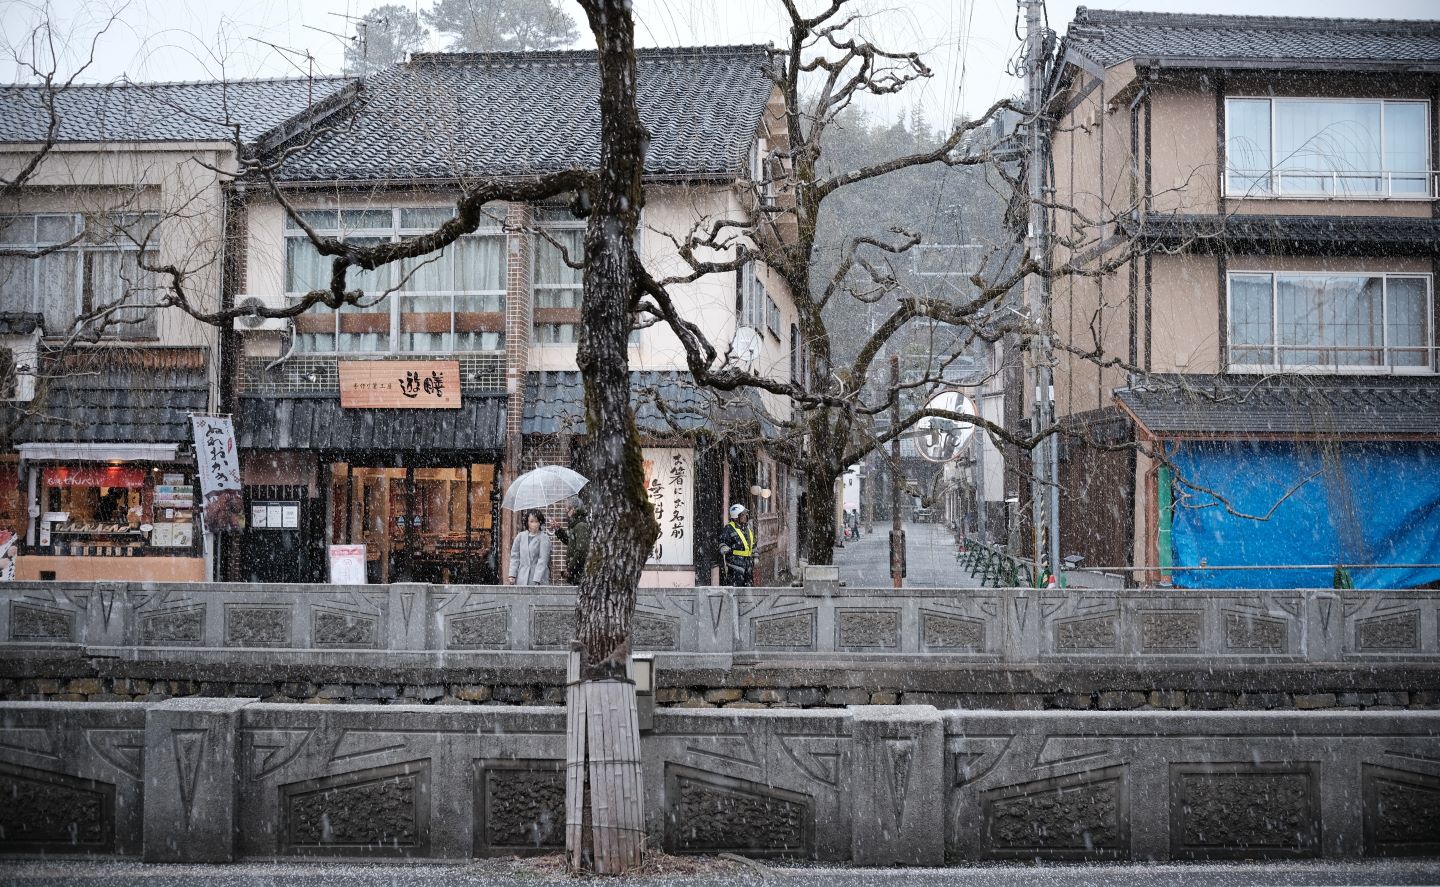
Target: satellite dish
(746,345)
(943,440)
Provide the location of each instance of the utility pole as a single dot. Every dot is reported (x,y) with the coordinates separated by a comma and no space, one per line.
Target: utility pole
(897,532)
(1044,459)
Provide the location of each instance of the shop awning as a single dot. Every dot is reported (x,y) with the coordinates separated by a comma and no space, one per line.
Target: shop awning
(319,423)
(98,452)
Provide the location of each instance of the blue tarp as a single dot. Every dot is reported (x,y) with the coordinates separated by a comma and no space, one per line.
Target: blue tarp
(1352,503)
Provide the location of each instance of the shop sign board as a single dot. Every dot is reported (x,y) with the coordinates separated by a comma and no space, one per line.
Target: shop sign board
(400,384)
(130,478)
(347,565)
(670,484)
(219,464)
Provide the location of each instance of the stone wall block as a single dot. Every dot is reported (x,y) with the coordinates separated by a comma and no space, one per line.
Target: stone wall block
(192,756)
(408,618)
(1324,626)
(898,798)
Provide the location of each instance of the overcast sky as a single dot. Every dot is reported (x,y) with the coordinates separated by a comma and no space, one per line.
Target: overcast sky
(968,43)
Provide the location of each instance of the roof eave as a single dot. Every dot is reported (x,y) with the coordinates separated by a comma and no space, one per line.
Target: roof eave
(1413,66)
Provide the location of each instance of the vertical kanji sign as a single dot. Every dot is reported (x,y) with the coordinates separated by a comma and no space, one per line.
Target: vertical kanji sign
(218,462)
(669,481)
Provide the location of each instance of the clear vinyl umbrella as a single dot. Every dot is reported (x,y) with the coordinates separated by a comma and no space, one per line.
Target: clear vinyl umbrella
(545,485)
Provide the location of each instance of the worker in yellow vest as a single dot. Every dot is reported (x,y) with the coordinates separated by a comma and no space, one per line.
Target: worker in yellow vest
(737,544)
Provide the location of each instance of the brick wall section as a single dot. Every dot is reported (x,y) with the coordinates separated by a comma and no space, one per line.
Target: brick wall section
(519,309)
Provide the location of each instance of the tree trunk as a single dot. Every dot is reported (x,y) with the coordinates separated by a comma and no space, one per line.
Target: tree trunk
(818,546)
(601,699)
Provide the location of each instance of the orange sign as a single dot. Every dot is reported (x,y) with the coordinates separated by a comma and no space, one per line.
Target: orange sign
(403,384)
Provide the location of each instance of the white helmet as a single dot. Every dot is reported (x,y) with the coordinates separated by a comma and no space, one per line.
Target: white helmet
(736,510)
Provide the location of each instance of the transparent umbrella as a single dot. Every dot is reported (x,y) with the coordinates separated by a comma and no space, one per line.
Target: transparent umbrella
(545,485)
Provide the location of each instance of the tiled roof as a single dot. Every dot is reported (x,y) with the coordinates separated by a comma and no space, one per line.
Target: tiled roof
(555,402)
(160,112)
(318,423)
(1221,406)
(112,396)
(1295,235)
(445,115)
(1113,36)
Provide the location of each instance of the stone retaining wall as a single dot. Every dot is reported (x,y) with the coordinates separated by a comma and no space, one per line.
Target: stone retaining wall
(978,626)
(221,779)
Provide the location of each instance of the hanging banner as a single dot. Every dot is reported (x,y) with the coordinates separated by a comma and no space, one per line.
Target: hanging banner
(669,481)
(8,551)
(219,468)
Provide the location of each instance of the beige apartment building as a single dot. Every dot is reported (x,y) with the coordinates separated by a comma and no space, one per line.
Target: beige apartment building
(1250,209)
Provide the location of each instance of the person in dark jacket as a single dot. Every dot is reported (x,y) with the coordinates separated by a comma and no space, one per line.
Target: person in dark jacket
(576,536)
(737,545)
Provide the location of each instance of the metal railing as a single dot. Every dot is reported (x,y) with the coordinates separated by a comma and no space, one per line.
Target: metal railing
(320,373)
(1329,183)
(995,567)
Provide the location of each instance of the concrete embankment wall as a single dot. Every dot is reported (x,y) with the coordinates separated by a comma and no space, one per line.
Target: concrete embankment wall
(819,646)
(223,779)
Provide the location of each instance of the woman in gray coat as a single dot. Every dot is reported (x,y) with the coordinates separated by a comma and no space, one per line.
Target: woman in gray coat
(530,553)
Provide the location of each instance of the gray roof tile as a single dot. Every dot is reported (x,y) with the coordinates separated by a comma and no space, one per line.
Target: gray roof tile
(113,396)
(160,112)
(1114,36)
(555,402)
(447,115)
(1220,406)
(1293,235)
(318,423)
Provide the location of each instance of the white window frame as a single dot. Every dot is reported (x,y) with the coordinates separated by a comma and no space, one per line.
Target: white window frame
(393,275)
(1276,191)
(123,332)
(1278,364)
(555,333)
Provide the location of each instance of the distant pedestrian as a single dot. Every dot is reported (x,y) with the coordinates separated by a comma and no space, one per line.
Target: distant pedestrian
(737,545)
(576,536)
(530,553)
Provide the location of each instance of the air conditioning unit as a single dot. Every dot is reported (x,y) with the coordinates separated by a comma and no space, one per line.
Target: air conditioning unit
(254,322)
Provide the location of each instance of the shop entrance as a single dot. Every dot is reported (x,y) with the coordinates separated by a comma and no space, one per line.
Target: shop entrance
(422,522)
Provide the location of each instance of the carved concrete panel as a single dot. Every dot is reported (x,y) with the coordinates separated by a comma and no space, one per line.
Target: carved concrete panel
(1090,634)
(257,626)
(942,631)
(867,629)
(182,627)
(1399,632)
(1402,812)
(1242,811)
(331,628)
(29,623)
(383,811)
(519,807)
(790,630)
(656,632)
(551,627)
(1249,633)
(485,630)
(48,812)
(1068,817)
(1171,631)
(710,813)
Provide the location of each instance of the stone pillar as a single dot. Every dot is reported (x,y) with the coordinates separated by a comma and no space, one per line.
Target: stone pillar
(897,786)
(192,772)
(519,314)
(409,619)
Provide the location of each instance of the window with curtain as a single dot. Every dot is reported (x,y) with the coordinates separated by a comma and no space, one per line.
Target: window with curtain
(450,301)
(558,287)
(91,280)
(1303,147)
(1353,322)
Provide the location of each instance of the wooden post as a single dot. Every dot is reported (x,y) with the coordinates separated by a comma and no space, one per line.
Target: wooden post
(602,760)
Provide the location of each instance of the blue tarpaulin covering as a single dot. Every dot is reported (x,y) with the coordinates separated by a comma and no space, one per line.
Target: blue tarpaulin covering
(1353,503)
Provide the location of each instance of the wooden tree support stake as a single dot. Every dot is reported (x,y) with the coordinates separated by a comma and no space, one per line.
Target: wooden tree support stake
(602,754)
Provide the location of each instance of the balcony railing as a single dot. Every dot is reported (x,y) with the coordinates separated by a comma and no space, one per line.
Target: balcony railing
(1398,360)
(1332,184)
(320,373)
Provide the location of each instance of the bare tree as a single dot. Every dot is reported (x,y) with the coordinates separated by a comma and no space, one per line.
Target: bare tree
(385,36)
(502,25)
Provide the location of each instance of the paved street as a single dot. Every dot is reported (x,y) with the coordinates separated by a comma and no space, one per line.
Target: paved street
(492,873)
(930,558)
